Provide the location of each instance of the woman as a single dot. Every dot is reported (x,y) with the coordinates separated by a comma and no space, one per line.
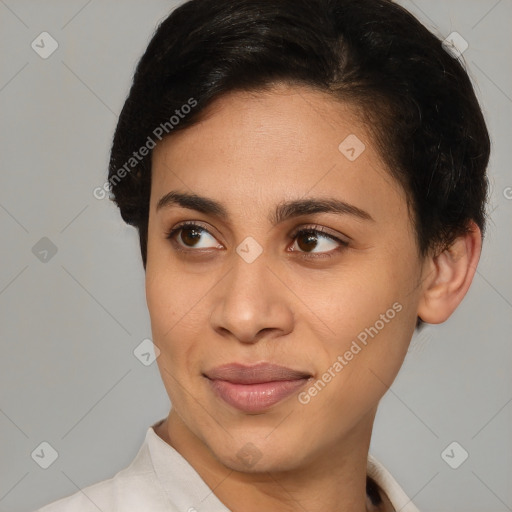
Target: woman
(307,178)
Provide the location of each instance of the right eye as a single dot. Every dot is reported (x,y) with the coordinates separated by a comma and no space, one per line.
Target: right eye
(189,236)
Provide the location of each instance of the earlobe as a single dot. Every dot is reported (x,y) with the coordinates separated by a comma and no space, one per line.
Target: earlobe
(448,276)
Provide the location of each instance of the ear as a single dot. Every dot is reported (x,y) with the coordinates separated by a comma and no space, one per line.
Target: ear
(448,275)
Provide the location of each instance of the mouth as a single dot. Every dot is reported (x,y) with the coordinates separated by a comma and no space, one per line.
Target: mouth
(254,389)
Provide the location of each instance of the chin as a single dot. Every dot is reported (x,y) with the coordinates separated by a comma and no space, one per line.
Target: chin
(255,454)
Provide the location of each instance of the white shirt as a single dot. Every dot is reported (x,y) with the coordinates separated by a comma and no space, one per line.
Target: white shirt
(159,479)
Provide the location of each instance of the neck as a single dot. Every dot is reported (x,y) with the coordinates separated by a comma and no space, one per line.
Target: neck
(334,480)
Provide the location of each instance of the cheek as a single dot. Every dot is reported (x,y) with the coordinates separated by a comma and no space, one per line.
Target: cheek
(177,317)
(162,304)
(371,315)
(359,367)
(171,294)
(355,297)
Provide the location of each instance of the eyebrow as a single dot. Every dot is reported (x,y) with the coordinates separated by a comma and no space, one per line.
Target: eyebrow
(284,211)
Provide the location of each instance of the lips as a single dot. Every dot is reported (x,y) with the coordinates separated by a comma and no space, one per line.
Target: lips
(256,388)
(263,372)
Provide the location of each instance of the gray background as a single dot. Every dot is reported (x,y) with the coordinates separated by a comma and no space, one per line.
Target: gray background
(69,325)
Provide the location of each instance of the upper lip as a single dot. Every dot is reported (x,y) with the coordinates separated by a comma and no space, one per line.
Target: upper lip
(254,374)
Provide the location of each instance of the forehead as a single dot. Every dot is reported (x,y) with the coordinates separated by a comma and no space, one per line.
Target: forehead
(286,142)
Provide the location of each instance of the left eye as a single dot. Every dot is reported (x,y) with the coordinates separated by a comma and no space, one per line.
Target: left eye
(311,238)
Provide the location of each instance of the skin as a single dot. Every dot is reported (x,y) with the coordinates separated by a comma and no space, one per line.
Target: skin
(209,306)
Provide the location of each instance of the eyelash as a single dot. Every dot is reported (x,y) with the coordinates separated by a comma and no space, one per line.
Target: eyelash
(314,230)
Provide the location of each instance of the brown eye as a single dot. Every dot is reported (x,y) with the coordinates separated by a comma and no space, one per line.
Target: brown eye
(310,239)
(191,235)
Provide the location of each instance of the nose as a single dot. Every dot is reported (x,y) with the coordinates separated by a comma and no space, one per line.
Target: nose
(251,302)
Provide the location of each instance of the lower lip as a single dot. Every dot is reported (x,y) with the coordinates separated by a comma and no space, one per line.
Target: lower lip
(255,397)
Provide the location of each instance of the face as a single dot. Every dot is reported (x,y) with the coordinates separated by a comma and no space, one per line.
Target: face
(284,308)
